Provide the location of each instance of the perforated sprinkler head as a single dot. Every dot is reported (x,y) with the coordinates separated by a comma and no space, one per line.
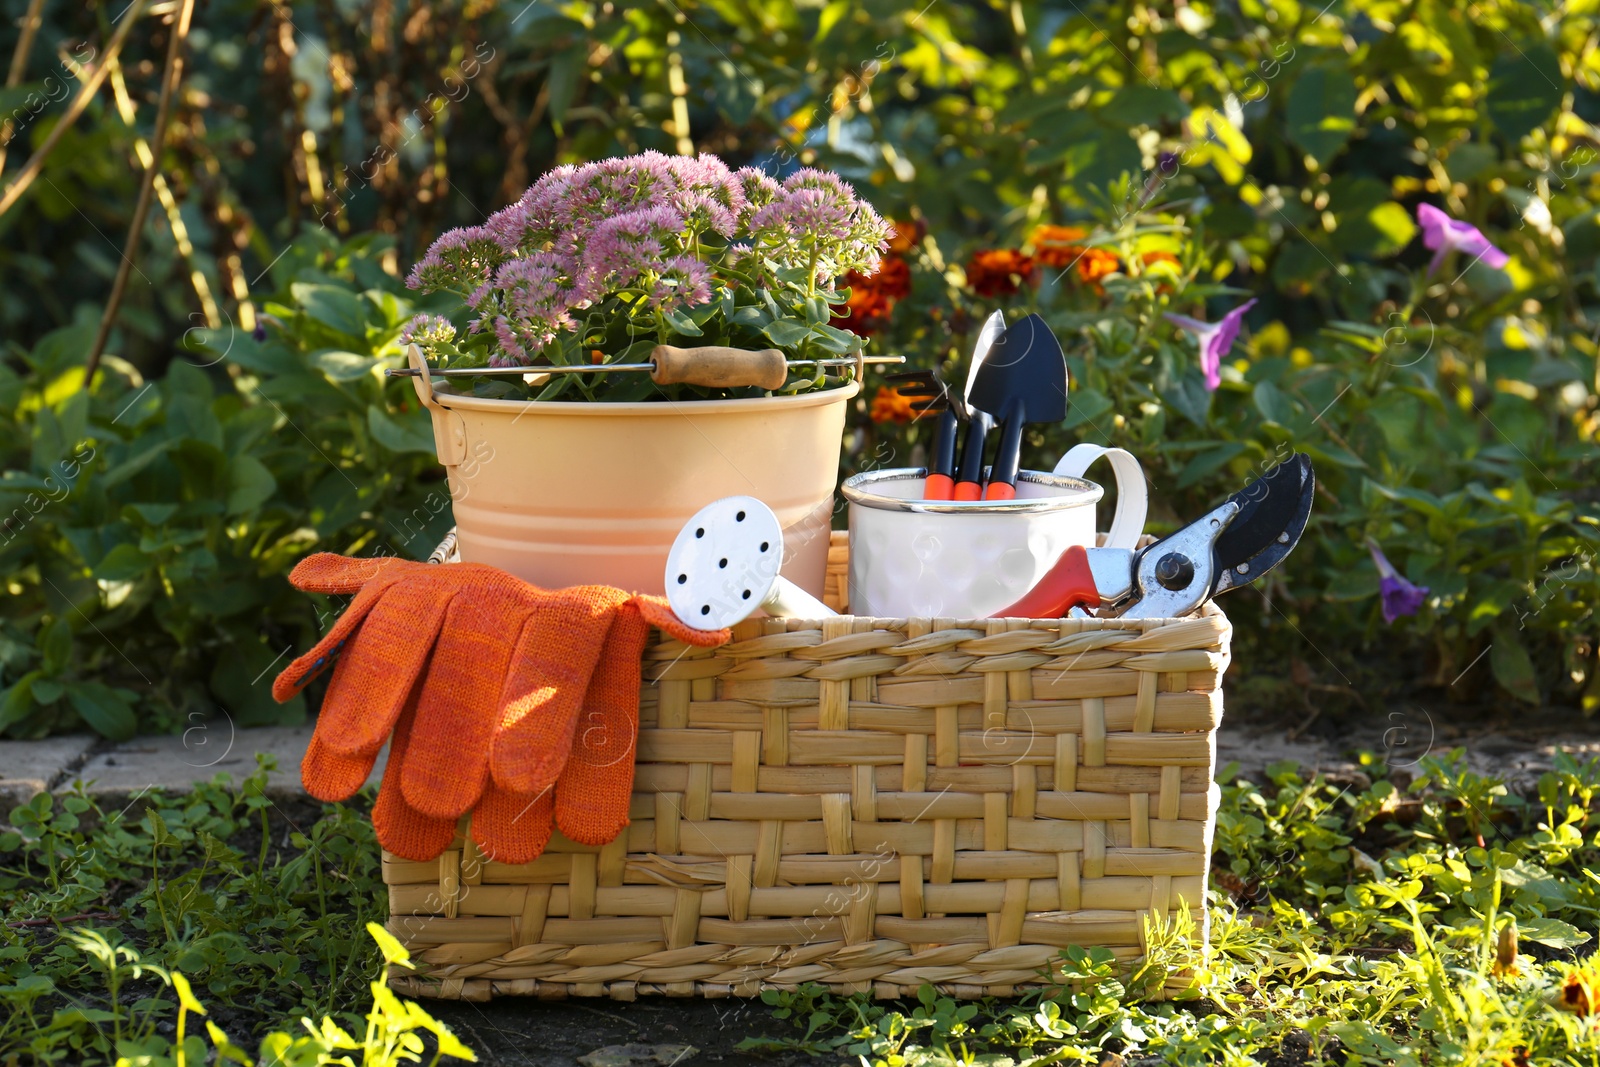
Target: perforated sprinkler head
(723,567)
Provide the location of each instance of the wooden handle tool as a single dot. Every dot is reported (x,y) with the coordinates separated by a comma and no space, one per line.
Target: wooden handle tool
(715,367)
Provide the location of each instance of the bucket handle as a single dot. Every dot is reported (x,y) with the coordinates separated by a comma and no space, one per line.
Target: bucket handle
(422,381)
(449,431)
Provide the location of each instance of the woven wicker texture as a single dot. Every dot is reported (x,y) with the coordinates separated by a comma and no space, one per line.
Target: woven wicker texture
(872,804)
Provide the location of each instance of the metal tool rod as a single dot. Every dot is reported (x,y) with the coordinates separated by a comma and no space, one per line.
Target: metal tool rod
(606,368)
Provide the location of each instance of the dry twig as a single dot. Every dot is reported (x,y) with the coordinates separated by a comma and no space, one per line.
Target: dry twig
(169,87)
(91,85)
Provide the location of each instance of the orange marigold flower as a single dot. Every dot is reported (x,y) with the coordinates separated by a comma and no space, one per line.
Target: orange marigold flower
(1057,246)
(1096,264)
(868,306)
(904,236)
(889,406)
(999,271)
(1058,235)
(1580,993)
(1150,259)
(893,279)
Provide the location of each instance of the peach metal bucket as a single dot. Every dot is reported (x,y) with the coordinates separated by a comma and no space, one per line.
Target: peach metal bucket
(573,494)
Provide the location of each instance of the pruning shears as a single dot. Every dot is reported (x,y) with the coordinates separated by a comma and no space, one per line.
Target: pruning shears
(1231,545)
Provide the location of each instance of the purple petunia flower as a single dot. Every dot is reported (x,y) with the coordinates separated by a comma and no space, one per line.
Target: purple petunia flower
(1444,235)
(1215,339)
(1400,597)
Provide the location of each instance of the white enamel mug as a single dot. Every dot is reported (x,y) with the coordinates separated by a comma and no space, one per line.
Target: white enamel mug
(915,558)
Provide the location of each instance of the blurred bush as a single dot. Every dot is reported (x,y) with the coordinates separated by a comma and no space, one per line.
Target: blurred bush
(148,525)
(1207,153)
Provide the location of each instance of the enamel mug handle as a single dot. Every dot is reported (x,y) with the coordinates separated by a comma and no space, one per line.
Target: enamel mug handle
(1132,497)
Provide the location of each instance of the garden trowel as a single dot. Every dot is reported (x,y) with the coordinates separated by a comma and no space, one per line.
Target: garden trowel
(1024,380)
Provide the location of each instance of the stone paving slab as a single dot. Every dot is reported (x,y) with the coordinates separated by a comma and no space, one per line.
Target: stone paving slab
(174,763)
(177,762)
(28,768)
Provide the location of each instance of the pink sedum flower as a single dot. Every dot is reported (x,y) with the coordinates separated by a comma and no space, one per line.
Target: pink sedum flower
(1443,235)
(702,212)
(624,248)
(460,260)
(758,189)
(1215,339)
(634,237)
(830,185)
(536,287)
(428,330)
(806,211)
(685,282)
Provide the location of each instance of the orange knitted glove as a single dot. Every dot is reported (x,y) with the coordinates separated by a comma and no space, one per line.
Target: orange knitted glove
(484,637)
(578,768)
(544,688)
(381,642)
(476,670)
(596,784)
(481,626)
(402,829)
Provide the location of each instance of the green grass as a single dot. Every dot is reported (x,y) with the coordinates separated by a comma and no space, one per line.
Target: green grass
(1434,920)
(216,893)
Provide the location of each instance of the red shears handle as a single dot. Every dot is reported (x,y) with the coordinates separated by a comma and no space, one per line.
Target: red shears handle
(1067,585)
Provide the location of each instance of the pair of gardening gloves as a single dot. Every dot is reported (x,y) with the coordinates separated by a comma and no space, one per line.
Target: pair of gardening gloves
(517,704)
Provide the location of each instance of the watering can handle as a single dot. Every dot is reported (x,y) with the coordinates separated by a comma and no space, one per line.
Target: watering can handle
(1132,497)
(449,432)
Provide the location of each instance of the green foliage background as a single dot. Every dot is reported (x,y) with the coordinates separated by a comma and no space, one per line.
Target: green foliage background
(1278,149)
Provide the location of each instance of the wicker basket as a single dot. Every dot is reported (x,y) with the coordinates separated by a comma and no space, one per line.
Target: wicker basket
(872,804)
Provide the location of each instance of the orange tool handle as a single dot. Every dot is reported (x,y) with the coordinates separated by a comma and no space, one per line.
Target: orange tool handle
(939,487)
(968,491)
(1067,585)
(1000,491)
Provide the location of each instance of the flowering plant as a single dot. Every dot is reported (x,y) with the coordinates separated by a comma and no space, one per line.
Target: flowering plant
(604,261)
